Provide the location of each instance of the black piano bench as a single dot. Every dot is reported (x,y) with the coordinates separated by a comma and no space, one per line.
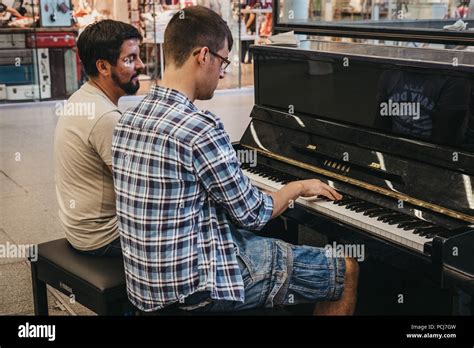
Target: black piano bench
(97,283)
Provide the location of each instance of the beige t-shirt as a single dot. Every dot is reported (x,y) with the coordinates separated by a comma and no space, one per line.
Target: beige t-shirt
(83,154)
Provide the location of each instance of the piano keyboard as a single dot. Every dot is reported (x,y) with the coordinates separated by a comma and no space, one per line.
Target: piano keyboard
(388,224)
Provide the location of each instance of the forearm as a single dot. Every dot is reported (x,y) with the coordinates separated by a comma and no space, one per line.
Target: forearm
(14,12)
(283,197)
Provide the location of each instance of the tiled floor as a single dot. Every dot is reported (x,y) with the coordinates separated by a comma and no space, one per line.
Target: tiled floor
(28,208)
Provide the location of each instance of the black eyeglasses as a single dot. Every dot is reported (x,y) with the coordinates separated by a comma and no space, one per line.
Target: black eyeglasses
(225,62)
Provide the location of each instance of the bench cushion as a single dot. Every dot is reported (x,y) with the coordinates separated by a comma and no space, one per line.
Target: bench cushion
(103,273)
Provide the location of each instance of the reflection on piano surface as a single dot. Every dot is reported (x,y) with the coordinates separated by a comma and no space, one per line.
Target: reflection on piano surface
(407,179)
(431,107)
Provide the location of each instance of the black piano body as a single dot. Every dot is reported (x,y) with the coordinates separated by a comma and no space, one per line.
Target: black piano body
(392,129)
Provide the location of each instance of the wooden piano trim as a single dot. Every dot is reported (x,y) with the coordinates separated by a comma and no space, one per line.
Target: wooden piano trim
(401,196)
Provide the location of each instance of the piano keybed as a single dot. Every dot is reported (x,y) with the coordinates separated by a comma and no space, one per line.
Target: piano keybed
(395,226)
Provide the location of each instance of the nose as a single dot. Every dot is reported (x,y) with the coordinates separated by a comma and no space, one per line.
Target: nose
(222,74)
(139,64)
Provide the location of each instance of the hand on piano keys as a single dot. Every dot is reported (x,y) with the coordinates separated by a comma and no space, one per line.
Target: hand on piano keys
(313,189)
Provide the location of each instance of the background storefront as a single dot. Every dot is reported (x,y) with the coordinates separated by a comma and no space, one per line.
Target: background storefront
(38,55)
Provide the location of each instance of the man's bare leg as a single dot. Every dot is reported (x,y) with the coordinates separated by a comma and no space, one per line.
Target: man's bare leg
(346,304)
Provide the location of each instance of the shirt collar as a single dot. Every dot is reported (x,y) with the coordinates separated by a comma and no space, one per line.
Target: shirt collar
(172,95)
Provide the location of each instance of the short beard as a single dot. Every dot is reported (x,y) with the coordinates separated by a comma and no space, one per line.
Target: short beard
(129,88)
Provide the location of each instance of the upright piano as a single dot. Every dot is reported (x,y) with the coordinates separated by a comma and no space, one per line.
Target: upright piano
(392,129)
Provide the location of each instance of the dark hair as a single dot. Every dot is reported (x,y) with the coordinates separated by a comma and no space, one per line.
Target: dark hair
(103,40)
(194,26)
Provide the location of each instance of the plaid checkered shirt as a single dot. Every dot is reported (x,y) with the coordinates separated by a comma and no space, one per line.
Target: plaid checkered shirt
(178,187)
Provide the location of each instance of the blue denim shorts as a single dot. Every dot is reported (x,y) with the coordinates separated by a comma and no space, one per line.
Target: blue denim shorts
(277,273)
(114,248)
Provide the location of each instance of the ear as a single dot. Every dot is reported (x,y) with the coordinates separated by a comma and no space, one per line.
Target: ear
(103,67)
(203,55)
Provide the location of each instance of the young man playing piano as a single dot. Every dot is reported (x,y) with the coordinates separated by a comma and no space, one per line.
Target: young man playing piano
(186,210)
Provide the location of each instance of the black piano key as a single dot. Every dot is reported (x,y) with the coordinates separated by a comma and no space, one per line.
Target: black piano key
(284,177)
(430,235)
(278,176)
(353,204)
(365,205)
(424,234)
(433,230)
(345,201)
(400,217)
(396,221)
(417,223)
(385,216)
(373,210)
(268,173)
(361,203)
(421,229)
(411,225)
(354,207)
(380,213)
(429,229)
(362,207)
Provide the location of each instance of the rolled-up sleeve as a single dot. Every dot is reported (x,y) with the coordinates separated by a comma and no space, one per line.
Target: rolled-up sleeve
(218,169)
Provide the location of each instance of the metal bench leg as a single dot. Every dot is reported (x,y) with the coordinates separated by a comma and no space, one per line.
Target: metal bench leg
(40,295)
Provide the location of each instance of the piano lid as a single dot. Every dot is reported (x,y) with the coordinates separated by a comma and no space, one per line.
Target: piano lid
(450,57)
(406,129)
(421,102)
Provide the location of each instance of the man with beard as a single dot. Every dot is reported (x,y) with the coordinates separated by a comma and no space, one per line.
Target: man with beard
(109,51)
